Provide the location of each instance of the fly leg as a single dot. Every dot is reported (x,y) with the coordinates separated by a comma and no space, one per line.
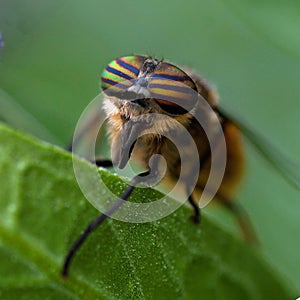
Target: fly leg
(242,219)
(100,162)
(196,217)
(100,219)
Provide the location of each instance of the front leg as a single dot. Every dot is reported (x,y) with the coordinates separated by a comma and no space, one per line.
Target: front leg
(196,217)
(100,219)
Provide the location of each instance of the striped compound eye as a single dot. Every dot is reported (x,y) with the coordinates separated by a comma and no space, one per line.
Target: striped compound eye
(172,89)
(120,74)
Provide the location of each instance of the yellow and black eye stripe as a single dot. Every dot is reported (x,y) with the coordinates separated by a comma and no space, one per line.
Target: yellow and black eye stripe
(173,89)
(121,73)
(172,72)
(167,84)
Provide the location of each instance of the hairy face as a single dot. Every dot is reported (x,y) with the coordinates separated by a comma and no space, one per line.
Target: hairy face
(145,96)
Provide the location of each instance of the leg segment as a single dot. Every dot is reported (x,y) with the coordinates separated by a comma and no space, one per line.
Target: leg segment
(103,162)
(96,222)
(196,217)
(243,220)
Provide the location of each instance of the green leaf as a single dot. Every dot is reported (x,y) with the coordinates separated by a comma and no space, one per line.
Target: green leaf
(42,211)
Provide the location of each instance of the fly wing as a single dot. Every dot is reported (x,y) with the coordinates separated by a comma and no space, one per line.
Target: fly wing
(15,115)
(288,169)
(89,135)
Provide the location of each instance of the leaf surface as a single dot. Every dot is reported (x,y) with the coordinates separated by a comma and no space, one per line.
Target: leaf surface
(42,211)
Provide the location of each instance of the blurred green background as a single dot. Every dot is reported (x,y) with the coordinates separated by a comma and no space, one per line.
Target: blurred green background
(53,53)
